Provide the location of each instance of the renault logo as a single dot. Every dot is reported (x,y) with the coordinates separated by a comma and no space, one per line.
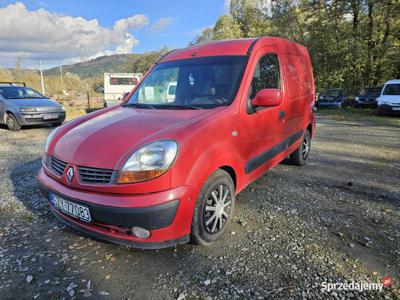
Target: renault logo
(70,174)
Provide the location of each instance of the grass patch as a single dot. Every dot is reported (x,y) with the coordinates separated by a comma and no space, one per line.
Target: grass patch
(73,112)
(367,115)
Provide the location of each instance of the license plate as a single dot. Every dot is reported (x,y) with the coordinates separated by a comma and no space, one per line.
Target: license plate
(395,108)
(75,210)
(50,116)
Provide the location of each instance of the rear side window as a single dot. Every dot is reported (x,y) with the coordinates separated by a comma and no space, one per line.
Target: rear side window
(266,74)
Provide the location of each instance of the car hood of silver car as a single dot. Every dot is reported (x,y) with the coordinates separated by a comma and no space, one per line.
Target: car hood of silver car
(35,103)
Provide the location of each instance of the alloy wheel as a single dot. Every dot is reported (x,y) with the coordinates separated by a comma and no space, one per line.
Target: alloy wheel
(217,209)
(305,149)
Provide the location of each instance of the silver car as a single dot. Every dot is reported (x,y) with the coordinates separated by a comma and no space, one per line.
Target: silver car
(21,105)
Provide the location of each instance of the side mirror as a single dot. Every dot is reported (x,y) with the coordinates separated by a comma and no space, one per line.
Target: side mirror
(267,98)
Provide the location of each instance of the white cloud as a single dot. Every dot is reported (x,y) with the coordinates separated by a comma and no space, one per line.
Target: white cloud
(40,34)
(161,24)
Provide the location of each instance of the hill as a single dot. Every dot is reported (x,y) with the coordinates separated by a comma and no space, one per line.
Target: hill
(98,66)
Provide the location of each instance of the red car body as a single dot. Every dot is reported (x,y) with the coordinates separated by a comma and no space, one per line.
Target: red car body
(229,138)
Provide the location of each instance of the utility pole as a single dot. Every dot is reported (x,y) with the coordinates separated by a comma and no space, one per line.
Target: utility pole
(88,96)
(41,77)
(62,82)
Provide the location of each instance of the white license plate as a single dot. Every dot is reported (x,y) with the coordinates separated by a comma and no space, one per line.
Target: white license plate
(76,210)
(50,116)
(395,108)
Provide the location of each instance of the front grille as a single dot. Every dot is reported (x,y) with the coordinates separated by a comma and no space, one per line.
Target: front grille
(58,166)
(47,109)
(94,175)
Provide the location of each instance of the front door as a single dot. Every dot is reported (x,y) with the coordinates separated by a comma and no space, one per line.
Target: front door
(261,129)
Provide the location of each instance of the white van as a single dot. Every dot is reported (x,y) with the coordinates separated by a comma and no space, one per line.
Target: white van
(389,100)
(116,85)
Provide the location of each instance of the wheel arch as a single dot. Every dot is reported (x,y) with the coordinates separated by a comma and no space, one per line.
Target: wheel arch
(6,113)
(222,156)
(310,129)
(231,171)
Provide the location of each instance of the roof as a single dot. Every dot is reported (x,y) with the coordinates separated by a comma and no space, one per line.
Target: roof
(12,83)
(235,47)
(393,81)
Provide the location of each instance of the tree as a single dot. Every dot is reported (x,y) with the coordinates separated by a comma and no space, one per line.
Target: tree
(227,28)
(145,61)
(352,43)
(205,36)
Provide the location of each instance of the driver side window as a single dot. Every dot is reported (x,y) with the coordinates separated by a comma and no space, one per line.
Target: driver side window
(266,75)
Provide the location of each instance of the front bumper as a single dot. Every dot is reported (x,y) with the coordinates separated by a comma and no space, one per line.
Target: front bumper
(389,109)
(38,118)
(167,215)
(366,103)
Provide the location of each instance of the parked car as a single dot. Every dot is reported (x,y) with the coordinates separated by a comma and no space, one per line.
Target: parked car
(153,173)
(367,97)
(389,100)
(334,98)
(21,105)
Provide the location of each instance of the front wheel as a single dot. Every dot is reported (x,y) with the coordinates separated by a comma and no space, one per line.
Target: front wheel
(12,123)
(214,208)
(300,155)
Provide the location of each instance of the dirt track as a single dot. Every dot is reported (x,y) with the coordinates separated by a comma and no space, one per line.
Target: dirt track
(335,220)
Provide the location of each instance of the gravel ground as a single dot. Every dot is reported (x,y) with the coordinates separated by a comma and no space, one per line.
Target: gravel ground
(335,220)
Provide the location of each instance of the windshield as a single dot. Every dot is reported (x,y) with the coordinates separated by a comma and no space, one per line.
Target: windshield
(392,89)
(193,83)
(333,93)
(371,91)
(19,92)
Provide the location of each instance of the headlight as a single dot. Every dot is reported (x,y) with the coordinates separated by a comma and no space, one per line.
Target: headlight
(149,162)
(28,109)
(357,98)
(49,138)
(384,102)
(62,107)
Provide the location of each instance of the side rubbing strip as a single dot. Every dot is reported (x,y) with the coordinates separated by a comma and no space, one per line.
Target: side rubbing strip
(262,158)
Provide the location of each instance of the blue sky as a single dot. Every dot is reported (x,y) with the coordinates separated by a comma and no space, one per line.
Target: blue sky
(158,23)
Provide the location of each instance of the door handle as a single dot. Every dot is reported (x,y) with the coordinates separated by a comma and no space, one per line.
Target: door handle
(282,114)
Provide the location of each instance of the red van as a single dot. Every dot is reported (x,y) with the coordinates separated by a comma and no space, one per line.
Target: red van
(163,169)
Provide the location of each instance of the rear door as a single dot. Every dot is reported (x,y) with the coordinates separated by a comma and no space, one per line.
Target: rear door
(261,129)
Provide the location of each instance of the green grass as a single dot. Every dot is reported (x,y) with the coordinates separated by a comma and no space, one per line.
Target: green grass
(367,115)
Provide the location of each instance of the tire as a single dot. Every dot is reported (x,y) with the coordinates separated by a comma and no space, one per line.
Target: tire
(205,228)
(12,123)
(56,124)
(300,155)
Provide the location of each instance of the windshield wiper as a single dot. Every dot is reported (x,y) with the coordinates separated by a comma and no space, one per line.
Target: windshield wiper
(139,105)
(175,106)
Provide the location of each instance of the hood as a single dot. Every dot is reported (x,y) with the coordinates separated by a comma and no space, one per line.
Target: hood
(101,142)
(21,103)
(394,99)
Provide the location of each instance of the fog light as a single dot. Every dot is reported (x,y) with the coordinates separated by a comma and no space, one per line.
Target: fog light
(140,232)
